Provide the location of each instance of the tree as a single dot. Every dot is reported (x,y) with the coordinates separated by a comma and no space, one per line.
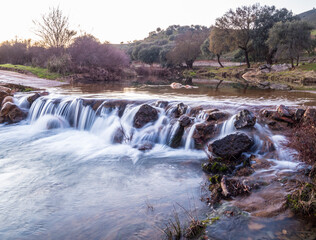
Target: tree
(54,30)
(187,47)
(290,39)
(267,17)
(219,42)
(239,24)
(149,55)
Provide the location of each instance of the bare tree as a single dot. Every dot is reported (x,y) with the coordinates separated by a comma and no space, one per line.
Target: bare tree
(53,29)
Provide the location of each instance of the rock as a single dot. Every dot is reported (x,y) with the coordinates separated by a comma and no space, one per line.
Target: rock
(6,89)
(298,115)
(184,121)
(11,113)
(144,115)
(7,99)
(119,135)
(195,110)
(280,67)
(217,116)
(310,116)
(282,87)
(181,109)
(145,146)
(176,138)
(3,94)
(284,111)
(244,119)
(161,104)
(115,104)
(203,132)
(33,97)
(276,116)
(265,66)
(231,146)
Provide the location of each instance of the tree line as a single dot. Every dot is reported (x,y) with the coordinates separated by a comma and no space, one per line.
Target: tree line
(259,33)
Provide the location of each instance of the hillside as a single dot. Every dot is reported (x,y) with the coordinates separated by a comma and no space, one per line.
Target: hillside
(309,16)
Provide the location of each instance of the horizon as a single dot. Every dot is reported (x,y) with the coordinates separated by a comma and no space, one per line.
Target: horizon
(138,17)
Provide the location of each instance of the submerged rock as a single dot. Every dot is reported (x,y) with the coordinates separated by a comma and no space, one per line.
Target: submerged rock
(145,146)
(244,119)
(176,138)
(144,115)
(231,146)
(11,113)
(118,135)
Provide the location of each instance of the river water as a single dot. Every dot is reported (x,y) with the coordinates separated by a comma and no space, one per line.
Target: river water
(63,176)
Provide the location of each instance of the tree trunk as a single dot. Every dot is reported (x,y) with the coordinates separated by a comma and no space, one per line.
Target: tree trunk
(189,63)
(219,61)
(247,58)
(297,60)
(292,62)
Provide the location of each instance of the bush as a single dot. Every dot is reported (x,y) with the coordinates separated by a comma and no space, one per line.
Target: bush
(59,64)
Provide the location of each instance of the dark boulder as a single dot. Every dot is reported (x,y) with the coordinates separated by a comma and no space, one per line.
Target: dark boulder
(299,113)
(144,115)
(118,135)
(231,146)
(176,138)
(244,119)
(33,97)
(203,132)
(184,121)
(217,116)
(11,113)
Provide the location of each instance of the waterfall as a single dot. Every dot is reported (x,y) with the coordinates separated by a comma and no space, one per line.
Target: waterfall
(228,127)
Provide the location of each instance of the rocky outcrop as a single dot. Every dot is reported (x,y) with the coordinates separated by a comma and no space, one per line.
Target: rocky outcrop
(244,119)
(33,97)
(144,115)
(11,113)
(231,146)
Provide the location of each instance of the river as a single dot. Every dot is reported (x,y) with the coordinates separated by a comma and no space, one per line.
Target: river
(64,176)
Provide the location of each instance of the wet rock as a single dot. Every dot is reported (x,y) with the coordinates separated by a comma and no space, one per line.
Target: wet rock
(276,116)
(231,146)
(3,95)
(55,122)
(33,97)
(144,115)
(7,99)
(184,121)
(175,140)
(284,111)
(11,113)
(145,146)
(266,113)
(6,89)
(244,119)
(310,116)
(161,104)
(203,133)
(217,116)
(96,104)
(195,110)
(180,110)
(298,115)
(118,135)
(120,105)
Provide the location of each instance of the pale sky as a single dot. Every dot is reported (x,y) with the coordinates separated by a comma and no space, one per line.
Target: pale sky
(124,20)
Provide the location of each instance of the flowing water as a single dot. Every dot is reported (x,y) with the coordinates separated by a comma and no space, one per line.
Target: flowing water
(64,174)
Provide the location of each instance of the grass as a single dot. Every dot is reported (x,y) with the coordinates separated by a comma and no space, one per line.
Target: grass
(308,67)
(313,32)
(37,71)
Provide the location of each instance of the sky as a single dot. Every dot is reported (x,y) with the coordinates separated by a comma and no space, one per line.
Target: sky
(124,20)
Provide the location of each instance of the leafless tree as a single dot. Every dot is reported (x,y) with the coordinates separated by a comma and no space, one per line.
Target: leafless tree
(53,29)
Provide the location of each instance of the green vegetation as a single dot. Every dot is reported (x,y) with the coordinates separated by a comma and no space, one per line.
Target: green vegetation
(308,67)
(309,16)
(37,71)
(313,32)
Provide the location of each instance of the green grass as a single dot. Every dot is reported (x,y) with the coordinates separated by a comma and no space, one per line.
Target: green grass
(313,32)
(308,67)
(37,71)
